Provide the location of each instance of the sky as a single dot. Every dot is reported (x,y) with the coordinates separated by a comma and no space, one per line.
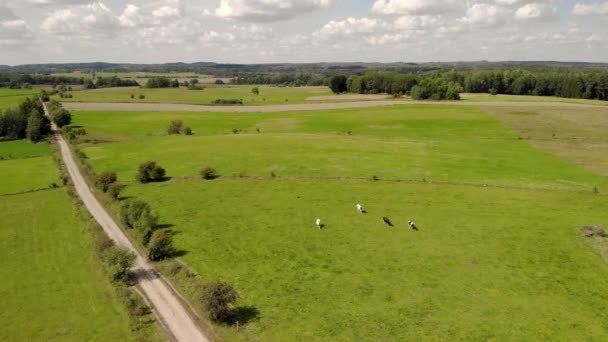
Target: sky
(304,31)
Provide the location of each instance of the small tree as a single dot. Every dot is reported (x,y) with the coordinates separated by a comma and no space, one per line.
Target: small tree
(337,83)
(114,190)
(138,214)
(175,127)
(161,245)
(217,298)
(104,180)
(188,131)
(493,91)
(255,91)
(61,117)
(209,173)
(119,261)
(149,172)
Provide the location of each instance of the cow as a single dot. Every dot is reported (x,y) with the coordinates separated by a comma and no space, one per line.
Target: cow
(412,225)
(361,209)
(387,221)
(318,223)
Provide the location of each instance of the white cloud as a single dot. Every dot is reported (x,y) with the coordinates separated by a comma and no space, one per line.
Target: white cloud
(418,22)
(95,19)
(353,26)
(484,16)
(536,12)
(131,16)
(269,10)
(389,7)
(591,9)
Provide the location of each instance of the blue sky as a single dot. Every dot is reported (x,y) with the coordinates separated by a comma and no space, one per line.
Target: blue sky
(265,31)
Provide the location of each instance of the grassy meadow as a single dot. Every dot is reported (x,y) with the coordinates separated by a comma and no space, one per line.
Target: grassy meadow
(268,95)
(52,286)
(527,98)
(12,97)
(498,255)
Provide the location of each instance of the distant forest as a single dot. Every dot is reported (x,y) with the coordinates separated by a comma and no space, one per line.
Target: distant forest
(420,80)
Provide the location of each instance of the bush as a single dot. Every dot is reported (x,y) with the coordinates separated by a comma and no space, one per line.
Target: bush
(61,117)
(138,214)
(142,96)
(217,299)
(227,102)
(188,131)
(119,261)
(160,246)
(175,127)
(209,173)
(104,180)
(149,172)
(114,190)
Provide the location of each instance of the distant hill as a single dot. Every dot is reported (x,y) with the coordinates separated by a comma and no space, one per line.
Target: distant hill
(227,70)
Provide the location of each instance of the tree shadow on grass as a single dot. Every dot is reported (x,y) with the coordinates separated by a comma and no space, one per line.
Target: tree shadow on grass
(162,180)
(243,315)
(179,253)
(166,226)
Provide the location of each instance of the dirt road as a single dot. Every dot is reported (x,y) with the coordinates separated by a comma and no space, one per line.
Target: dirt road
(168,107)
(164,301)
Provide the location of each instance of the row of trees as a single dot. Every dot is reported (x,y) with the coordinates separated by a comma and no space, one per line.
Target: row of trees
(111,82)
(25,121)
(17,81)
(60,116)
(573,84)
(162,82)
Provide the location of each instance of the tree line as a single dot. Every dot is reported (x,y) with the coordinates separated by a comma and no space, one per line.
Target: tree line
(25,121)
(110,82)
(18,81)
(162,82)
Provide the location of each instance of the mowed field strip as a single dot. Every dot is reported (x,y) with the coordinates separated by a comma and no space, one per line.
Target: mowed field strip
(487,263)
(165,107)
(53,287)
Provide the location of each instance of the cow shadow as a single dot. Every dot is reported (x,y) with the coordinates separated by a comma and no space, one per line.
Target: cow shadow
(243,315)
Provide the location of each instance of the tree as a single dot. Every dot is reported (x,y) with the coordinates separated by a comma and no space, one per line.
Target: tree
(337,83)
(37,126)
(114,190)
(160,246)
(61,117)
(218,298)
(255,91)
(149,172)
(104,180)
(188,131)
(138,214)
(119,261)
(175,127)
(209,173)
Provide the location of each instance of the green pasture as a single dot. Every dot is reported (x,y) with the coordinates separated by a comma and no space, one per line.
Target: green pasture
(13,97)
(52,286)
(22,149)
(498,256)
(423,143)
(268,95)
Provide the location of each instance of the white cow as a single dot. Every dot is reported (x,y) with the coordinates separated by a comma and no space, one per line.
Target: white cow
(361,209)
(318,223)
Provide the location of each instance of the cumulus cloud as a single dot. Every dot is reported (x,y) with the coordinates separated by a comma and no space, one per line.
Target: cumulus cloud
(418,22)
(536,12)
(95,19)
(353,26)
(131,16)
(590,9)
(484,16)
(422,7)
(269,10)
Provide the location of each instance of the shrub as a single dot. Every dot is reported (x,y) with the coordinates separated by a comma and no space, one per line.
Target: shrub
(217,299)
(255,91)
(142,96)
(161,245)
(174,267)
(188,131)
(104,180)
(119,260)
(114,190)
(61,117)
(227,102)
(209,173)
(175,127)
(493,91)
(138,214)
(149,172)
